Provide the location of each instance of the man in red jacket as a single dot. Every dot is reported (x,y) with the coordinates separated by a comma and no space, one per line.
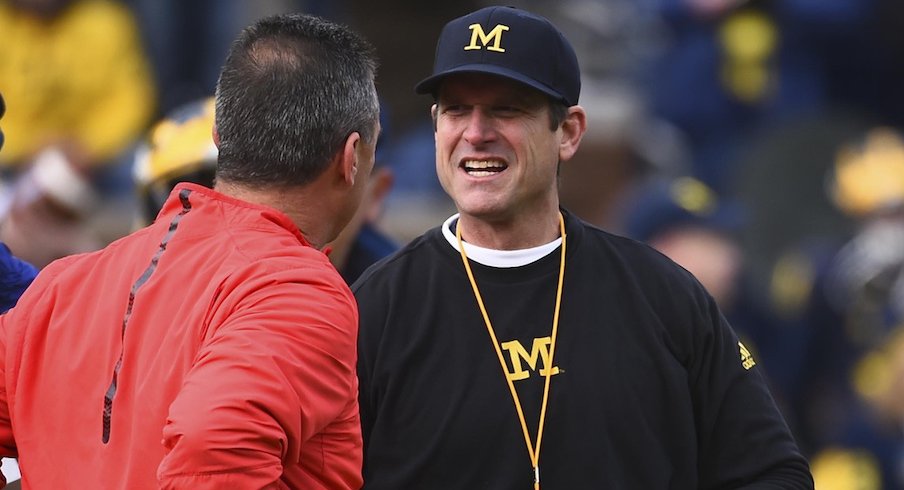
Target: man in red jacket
(216,347)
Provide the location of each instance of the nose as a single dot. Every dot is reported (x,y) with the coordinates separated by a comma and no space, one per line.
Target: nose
(479,128)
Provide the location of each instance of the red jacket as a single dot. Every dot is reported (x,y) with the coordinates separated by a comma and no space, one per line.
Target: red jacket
(214,349)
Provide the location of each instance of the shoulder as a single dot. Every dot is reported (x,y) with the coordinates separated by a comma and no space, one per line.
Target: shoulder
(58,279)
(643,279)
(302,271)
(629,260)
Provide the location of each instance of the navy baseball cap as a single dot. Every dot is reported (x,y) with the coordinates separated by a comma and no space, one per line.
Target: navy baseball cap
(510,43)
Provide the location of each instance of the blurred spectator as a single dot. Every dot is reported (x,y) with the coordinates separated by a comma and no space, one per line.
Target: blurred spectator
(46,212)
(733,67)
(73,72)
(180,148)
(686,221)
(790,221)
(79,92)
(851,404)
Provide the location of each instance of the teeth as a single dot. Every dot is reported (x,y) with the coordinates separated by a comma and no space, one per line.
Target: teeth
(483,164)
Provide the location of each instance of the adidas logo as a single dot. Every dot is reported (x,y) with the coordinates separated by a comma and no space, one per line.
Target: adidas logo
(746,357)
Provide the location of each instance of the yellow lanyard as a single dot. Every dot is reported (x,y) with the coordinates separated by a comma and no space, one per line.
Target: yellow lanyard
(533,451)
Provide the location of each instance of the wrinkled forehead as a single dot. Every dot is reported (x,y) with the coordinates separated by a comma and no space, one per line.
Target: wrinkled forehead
(486,88)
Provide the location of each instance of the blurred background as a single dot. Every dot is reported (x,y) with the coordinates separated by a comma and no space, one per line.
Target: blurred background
(756,142)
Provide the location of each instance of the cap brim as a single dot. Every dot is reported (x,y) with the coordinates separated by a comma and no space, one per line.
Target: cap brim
(430,85)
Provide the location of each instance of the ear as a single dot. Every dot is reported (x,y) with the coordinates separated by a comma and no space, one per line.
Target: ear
(215,135)
(573,128)
(348,158)
(381,180)
(433,113)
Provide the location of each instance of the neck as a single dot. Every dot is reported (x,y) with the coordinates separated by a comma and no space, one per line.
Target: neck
(309,215)
(512,234)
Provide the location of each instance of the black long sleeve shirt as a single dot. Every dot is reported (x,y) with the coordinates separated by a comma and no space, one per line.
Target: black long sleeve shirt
(652,389)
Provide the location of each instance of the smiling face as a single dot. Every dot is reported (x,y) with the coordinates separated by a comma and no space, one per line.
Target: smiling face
(496,155)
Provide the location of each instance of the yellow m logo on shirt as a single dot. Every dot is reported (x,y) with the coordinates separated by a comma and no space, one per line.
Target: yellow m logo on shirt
(491,41)
(517,353)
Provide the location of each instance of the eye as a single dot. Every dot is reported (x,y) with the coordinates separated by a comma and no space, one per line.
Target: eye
(454,109)
(507,110)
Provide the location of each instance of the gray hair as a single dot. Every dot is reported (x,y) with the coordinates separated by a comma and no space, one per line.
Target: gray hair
(292,90)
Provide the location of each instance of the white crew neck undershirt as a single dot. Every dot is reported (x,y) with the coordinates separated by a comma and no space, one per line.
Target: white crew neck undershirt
(499,258)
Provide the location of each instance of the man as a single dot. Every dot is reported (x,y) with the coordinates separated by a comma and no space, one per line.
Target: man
(515,345)
(214,348)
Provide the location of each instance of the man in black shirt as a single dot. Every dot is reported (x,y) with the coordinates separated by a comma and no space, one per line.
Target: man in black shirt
(516,346)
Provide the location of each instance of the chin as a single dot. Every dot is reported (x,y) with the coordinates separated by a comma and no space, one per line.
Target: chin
(482,212)
(480,205)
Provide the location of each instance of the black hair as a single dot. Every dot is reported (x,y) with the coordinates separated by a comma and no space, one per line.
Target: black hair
(292,90)
(557,113)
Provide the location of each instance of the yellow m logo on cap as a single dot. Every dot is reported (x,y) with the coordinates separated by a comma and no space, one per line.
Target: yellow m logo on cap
(494,37)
